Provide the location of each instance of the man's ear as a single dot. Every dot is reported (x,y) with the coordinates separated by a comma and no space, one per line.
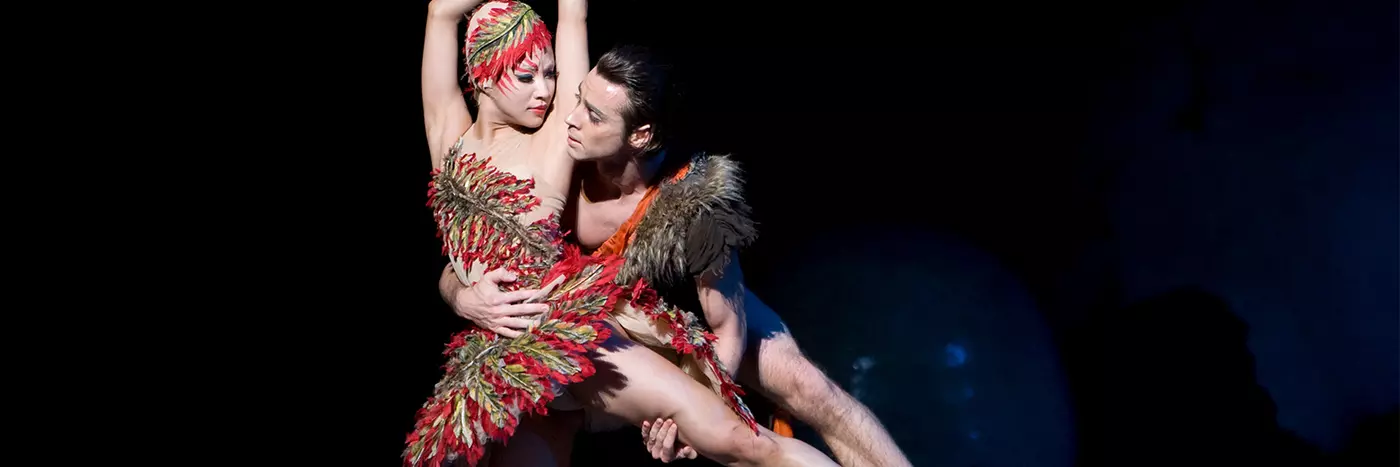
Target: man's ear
(640,137)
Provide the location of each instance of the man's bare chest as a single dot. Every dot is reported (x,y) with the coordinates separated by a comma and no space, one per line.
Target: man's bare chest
(597,221)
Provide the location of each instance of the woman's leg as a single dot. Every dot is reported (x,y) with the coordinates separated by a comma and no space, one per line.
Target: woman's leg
(636,384)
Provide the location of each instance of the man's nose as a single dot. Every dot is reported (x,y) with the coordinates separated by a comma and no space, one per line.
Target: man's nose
(569,119)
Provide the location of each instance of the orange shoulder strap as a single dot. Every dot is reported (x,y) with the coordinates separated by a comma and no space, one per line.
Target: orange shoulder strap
(622,238)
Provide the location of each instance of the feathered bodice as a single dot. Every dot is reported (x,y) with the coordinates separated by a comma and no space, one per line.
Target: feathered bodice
(480,212)
(491,381)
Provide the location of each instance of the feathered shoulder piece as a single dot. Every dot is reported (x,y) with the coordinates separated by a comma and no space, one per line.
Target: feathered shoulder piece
(693,226)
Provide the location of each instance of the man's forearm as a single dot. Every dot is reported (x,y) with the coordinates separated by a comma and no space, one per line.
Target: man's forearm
(448,283)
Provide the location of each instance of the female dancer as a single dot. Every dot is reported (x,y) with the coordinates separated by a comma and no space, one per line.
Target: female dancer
(497,194)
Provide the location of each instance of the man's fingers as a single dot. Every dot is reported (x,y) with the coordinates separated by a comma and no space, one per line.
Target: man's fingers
(668,444)
(491,295)
(658,447)
(670,436)
(535,309)
(524,309)
(646,429)
(515,323)
(507,333)
(519,295)
(688,453)
(498,275)
(652,439)
(488,288)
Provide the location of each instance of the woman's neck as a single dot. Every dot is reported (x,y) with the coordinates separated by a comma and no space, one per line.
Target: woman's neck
(490,127)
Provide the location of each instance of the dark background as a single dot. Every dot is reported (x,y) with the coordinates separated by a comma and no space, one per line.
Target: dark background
(1023,234)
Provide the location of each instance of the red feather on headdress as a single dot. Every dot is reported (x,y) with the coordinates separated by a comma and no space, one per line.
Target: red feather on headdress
(502,39)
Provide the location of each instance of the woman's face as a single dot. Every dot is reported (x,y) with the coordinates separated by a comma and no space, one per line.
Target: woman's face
(524,94)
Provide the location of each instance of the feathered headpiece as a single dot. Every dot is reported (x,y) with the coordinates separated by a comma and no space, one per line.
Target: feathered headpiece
(503,36)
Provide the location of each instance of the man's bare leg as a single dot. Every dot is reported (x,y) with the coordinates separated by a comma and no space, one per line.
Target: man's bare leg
(775,366)
(636,384)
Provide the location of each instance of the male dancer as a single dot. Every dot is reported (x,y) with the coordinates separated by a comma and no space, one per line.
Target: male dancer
(679,221)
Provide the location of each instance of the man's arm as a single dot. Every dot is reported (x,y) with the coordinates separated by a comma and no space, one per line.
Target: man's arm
(722,300)
(486,305)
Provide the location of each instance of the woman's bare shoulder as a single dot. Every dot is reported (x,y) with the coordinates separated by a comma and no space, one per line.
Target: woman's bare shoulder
(550,160)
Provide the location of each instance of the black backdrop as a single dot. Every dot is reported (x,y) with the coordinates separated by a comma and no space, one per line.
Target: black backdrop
(1077,148)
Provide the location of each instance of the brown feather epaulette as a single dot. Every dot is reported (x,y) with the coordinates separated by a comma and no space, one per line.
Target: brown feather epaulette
(693,226)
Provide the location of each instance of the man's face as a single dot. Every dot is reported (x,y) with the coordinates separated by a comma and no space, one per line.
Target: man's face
(596,130)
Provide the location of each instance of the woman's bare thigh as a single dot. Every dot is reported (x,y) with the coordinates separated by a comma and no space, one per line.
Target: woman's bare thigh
(636,384)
